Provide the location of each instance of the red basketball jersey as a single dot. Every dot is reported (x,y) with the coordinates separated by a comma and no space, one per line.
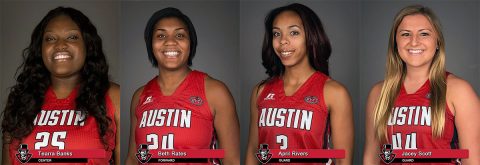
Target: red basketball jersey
(58,126)
(182,120)
(299,121)
(410,124)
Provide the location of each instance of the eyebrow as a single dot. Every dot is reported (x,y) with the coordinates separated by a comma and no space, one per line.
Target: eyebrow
(400,30)
(49,30)
(161,29)
(288,27)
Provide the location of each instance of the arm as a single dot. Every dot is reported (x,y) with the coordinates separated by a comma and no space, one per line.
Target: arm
(371,148)
(253,136)
(341,118)
(6,150)
(114,93)
(225,119)
(465,105)
(133,122)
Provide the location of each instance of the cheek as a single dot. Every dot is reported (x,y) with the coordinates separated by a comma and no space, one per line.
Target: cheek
(186,46)
(156,45)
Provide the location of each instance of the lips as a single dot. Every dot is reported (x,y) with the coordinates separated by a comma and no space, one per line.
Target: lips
(415,51)
(171,53)
(286,52)
(62,56)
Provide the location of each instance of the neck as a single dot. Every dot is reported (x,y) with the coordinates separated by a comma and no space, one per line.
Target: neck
(417,75)
(62,86)
(297,75)
(172,78)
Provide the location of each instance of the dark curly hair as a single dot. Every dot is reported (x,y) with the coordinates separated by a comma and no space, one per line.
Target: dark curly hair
(27,95)
(318,45)
(169,12)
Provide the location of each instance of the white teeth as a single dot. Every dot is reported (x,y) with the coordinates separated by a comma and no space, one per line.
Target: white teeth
(171,53)
(61,56)
(415,51)
(286,53)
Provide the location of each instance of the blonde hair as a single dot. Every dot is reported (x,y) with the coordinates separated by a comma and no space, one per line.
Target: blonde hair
(396,72)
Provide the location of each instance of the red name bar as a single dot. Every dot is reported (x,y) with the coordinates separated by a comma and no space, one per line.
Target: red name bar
(94,153)
(430,153)
(188,153)
(307,153)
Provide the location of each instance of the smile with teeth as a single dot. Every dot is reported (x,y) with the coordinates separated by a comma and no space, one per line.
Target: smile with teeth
(286,53)
(62,56)
(415,51)
(171,53)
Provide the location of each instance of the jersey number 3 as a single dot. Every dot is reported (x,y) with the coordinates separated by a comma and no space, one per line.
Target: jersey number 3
(283,141)
(45,139)
(167,141)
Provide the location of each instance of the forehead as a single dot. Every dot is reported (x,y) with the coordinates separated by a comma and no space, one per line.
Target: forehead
(61,22)
(287,18)
(415,22)
(170,22)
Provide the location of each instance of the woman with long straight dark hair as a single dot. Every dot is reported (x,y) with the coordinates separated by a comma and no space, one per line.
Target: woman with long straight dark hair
(298,106)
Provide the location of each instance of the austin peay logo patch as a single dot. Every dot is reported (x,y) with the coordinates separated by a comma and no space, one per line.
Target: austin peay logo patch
(23,156)
(311,99)
(195,100)
(264,154)
(142,155)
(387,154)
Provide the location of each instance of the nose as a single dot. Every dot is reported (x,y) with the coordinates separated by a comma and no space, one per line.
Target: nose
(170,40)
(284,40)
(61,45)
(414,41)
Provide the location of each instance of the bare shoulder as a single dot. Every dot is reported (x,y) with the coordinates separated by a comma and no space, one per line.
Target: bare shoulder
(114,91)
(335,93)
(257,90)
(215,86)
(457,85)
(332,87)
(138,92)
(376,89)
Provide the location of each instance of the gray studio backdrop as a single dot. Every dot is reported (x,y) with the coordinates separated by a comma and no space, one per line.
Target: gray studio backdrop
(460,21)
(338,19)
(358,32)
(19,18)
(216,24)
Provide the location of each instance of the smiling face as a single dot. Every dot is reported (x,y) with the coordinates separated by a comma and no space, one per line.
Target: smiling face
(63,48)
(289,40)
(171,43)
(416,41)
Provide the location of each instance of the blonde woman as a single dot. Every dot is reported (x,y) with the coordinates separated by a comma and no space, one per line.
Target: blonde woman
(419,105)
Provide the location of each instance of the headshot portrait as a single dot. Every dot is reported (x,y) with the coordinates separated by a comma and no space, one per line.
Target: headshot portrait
(58,67)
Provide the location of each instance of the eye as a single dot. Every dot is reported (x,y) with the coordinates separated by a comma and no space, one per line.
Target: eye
(73,37)
(276,34)
(49,39)
(160,36)
(405,34)
(294,33)
(424,34)
(180,35)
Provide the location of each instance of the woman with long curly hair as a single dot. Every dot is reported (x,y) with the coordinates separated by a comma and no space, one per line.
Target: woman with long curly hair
(63,98)
(298,106)
(420,105)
